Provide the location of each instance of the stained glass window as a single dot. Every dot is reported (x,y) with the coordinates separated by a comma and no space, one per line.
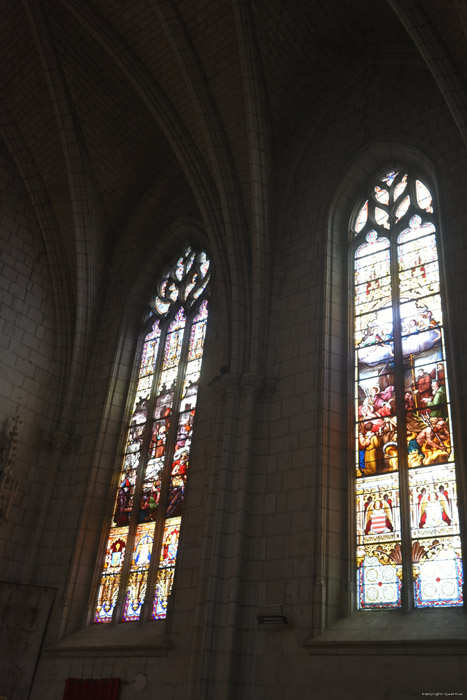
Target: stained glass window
(142,544)
(407,521)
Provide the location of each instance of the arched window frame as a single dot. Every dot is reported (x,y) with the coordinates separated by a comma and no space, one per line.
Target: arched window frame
(355,240)
(181,292)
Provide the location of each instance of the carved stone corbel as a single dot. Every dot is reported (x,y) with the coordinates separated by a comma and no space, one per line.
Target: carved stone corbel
(59,441)
(239,386)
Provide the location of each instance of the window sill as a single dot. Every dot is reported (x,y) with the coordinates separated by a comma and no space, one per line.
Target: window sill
(391,632)
(129,639)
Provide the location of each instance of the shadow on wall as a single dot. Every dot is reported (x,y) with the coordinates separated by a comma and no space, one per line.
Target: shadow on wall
(24,611)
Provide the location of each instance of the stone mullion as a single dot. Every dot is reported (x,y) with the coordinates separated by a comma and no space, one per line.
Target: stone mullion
(402,454)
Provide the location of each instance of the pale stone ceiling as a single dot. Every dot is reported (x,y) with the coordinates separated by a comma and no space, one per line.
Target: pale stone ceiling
(108,95)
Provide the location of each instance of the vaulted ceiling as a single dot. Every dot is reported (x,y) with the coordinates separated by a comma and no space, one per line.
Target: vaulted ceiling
(104,100)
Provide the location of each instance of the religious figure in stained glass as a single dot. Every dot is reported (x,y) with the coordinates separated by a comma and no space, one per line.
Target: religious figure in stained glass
(144,533)
(405,473)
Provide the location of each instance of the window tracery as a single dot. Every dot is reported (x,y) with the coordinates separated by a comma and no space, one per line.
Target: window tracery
(142,545)
(407,520)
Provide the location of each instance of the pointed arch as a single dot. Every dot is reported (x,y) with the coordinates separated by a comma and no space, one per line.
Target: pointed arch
(140,556)
(407,519)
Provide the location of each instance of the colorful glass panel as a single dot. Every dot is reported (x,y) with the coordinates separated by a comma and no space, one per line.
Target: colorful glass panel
(111,573)
(379,577)
(140,562)
(158,443)
(433,498)
(150,347)
(167,561)
(381,194)
(362,218)
(437,572)
(399,342)
(390,176)
(423,197)
(399,188)
(381,217)
(379,558)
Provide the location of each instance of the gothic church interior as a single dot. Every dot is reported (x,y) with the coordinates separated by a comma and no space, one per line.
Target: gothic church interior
(159,158)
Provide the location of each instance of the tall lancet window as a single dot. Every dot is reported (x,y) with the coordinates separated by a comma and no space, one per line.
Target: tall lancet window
(139,565)
(407,521)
